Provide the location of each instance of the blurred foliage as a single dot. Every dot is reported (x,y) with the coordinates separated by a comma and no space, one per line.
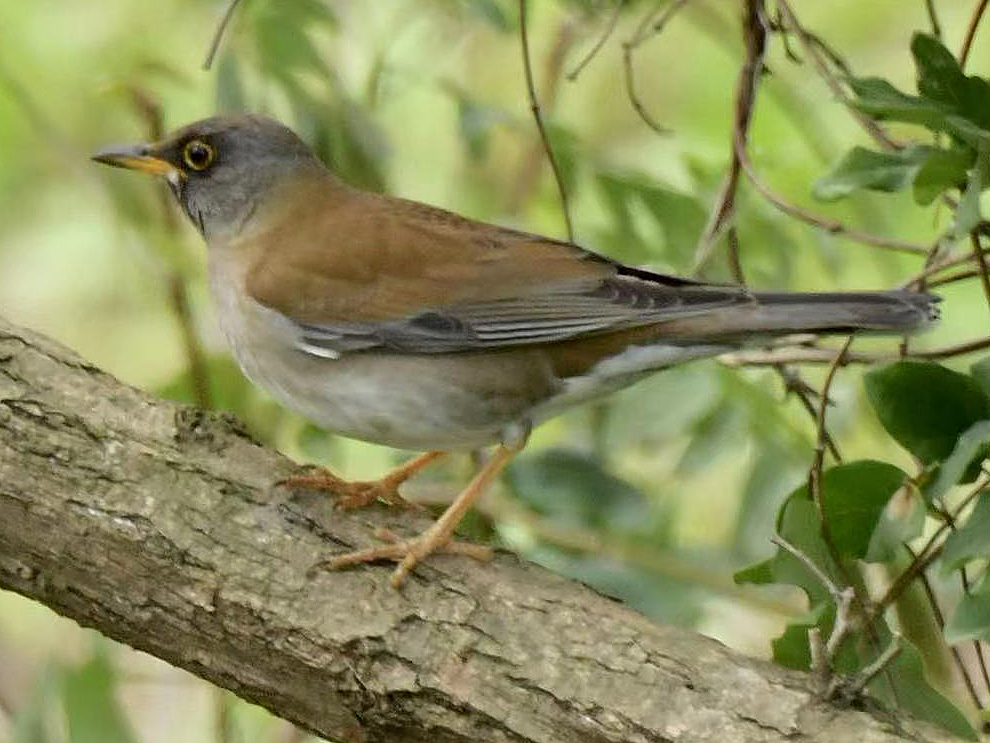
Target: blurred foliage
(658,494)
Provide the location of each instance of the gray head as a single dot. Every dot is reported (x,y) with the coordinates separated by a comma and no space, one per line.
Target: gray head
(219,168)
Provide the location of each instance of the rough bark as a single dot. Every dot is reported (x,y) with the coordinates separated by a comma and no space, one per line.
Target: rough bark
(158,525)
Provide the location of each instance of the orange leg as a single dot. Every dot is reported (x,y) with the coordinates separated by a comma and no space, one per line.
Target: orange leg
(361,494)
(409,552)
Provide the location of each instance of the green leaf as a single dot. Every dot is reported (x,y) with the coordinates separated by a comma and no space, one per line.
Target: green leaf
(798,523)
(942,170)
(791,649)
(881,100)
(981,373)
(940,77)
(971,541)
(916,696)
(925,407)
(971,619)
(854,496)
(973,135)
(92,711)
(962,465)
(874,171)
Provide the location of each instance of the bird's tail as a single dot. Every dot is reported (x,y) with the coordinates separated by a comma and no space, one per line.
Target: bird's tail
(895,312)
(771,314)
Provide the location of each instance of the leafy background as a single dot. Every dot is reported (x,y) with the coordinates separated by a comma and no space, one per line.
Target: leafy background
(658,496)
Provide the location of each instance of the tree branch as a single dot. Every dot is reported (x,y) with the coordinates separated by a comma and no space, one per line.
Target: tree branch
(157,525)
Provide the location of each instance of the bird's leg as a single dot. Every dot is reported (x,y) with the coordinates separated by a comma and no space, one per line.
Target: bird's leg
(438,537)
(360,494)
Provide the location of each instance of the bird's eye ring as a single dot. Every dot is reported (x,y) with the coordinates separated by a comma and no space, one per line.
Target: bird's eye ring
(198,155)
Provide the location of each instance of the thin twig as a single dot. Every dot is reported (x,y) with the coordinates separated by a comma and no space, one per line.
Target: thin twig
(974,23)
(593,52)
(813,51)
(981,259)
(830,226)
(855,687)
(793,383)
(823,656)
(735,255)
(815,355)
(928,554)
(815,473)
(834,591)
(977,644)
(940,621)
(218,36)
(754,38)
(647,28)
(538,118)
(935,268)
(933,19)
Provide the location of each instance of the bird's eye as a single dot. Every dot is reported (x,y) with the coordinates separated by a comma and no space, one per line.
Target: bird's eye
(198,155)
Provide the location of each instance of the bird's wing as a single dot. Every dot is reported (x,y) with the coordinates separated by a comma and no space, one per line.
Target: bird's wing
(391,274)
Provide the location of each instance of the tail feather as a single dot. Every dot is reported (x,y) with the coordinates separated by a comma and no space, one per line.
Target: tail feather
(895,312)
(769,315)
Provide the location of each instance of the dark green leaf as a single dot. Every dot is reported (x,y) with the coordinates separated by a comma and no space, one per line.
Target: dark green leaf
(791,649)
(92,711)
(973,135)
(854,496)
(981,373)
(874,171)
(881,100)
(971,541)
(942,170)
(940,77)
(971,448)
(925,407)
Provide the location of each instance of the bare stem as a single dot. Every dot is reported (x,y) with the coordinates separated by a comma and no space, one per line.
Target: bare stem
(754,37)
(538,118)
(606,35)
(647,28)
(974,23)
(218,36)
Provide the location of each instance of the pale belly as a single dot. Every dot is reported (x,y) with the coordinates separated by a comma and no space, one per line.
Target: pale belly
(420,401)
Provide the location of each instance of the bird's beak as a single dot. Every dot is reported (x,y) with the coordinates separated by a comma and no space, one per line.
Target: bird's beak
(138,157)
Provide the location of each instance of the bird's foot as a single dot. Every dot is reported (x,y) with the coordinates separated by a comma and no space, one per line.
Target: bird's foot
(350,495)
(407,552)
(353,495)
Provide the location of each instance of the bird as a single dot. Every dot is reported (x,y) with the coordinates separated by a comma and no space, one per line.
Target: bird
(399,323)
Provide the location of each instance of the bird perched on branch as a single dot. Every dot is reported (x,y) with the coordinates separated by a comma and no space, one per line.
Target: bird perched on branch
(401,324)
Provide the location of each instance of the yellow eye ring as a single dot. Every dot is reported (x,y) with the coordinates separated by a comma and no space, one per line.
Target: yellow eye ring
(198,155)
